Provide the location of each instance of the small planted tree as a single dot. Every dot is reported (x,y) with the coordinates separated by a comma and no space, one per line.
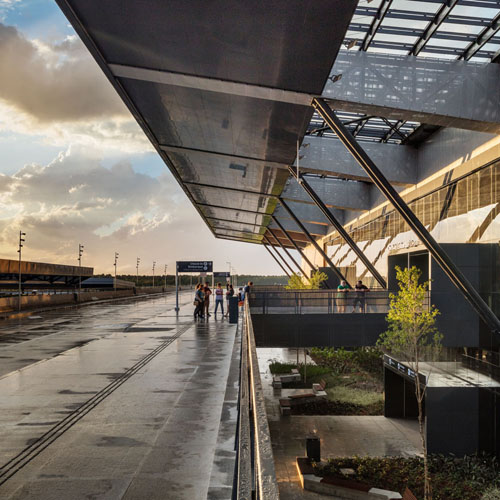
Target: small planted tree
(297,282)
(412,338)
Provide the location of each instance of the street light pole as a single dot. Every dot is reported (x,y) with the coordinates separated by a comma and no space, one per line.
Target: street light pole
(21,239)
(154,264)
(116,260)
(80,253)
(137,270)
(229,264)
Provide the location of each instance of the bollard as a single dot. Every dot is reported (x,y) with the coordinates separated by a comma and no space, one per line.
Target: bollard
(313,448)
(233,309)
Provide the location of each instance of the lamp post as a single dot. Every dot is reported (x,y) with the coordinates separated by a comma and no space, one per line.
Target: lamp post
(137,270)
(116,261)
(235,281)
(165,272)
(21,239)
(154,264)
(80,253)
(229,264)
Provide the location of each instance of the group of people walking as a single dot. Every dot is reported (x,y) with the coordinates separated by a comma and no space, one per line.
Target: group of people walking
(202,298)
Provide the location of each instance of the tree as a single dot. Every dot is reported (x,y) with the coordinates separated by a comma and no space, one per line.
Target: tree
(297,282)
(412,338)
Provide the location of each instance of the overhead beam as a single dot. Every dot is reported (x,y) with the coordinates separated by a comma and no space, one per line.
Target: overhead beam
(307,213)
(317,159)
(277,261)
(336,271)
(482,39)
(440,256)
(336,193)
(433,26)
(288,223)
(248,159)
(292,241)
(314,228)
(210,84)
(377,21)
(301,181)
(327,156)
(290,256)
(447,93)
(279,255)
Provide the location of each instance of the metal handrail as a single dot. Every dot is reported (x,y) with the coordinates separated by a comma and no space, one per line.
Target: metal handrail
(256,476)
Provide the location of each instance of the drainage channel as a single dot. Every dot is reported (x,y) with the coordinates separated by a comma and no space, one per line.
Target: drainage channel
(16,463)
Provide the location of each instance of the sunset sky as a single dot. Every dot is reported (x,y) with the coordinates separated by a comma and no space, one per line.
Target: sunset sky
(76,168)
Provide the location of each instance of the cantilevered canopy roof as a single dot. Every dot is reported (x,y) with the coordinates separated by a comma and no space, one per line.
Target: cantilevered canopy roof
(221,88)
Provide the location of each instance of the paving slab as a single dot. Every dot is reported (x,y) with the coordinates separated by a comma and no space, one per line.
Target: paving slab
(166,431)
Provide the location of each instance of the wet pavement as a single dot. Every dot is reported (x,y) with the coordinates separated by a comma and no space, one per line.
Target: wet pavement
(339,435)
(118,400)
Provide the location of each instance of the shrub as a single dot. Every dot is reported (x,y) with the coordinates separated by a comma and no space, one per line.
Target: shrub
(492,493)
(469,478)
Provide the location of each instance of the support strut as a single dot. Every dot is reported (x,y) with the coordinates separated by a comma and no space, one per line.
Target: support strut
(289,254)
(312,240)
(292,241)
(338,226)
(269,242)
(440,256)
(277,261)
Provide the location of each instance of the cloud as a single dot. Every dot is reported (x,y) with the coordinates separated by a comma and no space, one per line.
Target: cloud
(59,82)
(58,93)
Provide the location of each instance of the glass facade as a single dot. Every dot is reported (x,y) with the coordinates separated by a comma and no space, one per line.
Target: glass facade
(464,211)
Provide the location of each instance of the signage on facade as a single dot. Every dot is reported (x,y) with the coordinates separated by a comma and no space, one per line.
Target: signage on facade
(403,244)
(401,368)
(197,266)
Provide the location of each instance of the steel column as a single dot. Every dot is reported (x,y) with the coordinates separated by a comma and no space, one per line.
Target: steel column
(292,241)
(338,226)
(277,261)
(441,257)
(313,241)
(279,255)
(289,254)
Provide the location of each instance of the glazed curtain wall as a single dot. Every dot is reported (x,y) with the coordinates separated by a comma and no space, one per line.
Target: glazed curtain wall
(464,211)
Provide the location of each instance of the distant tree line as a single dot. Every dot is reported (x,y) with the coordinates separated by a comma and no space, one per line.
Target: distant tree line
(186,279)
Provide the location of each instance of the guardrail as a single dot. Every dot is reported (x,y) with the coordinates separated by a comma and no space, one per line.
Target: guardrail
(320,302)
(256,476)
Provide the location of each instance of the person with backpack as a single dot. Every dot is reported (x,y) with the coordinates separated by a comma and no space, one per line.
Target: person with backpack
(199,297)
(219,299)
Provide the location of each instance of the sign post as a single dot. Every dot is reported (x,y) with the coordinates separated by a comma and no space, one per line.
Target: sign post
(198,266)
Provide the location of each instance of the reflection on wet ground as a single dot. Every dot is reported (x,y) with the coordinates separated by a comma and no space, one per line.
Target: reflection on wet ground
(116,400)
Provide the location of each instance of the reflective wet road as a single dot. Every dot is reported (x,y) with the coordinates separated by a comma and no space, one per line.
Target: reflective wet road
(118,400)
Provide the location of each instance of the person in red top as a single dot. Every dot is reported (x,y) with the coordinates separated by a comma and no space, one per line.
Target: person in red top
(208,292)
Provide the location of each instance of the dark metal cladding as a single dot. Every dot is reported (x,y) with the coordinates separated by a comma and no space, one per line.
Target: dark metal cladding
(207,134)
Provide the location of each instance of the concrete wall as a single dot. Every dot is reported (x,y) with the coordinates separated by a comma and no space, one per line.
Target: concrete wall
(10,304)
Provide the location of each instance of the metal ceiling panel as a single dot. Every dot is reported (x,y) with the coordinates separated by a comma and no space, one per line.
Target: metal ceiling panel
(179,66)
(232,172)
(264,43)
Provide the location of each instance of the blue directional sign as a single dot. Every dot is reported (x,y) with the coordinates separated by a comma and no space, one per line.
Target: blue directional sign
(197,266)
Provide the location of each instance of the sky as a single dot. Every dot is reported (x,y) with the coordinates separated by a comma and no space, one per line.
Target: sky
(76,168)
